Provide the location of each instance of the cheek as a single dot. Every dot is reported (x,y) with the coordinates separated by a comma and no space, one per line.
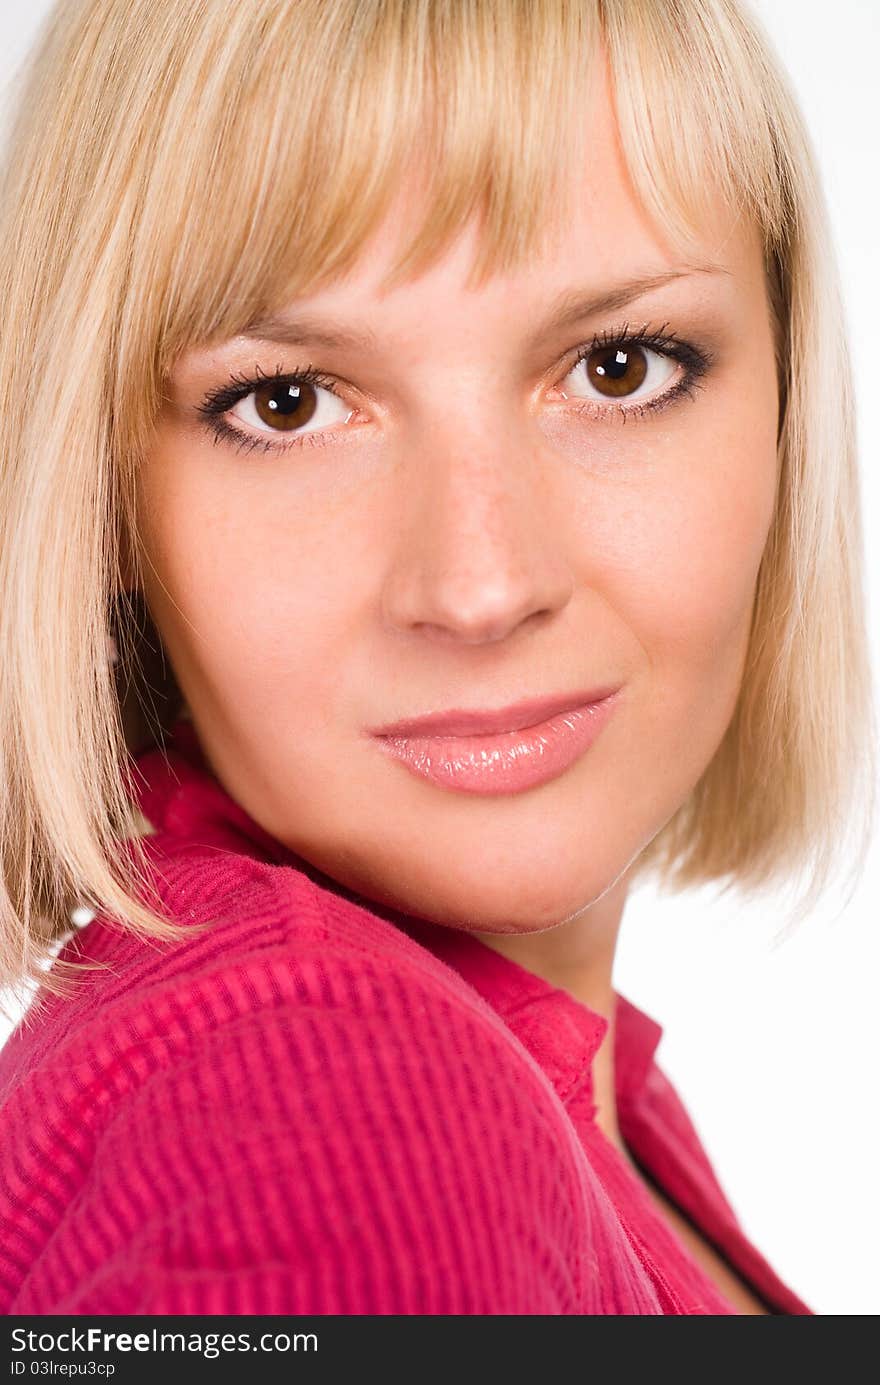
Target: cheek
(690,585)
(676,565)
(675,547)
(254,593)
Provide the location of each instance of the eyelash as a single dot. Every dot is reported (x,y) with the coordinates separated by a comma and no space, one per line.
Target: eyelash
(696,361)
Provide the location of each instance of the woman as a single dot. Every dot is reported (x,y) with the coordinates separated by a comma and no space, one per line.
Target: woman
(439,426)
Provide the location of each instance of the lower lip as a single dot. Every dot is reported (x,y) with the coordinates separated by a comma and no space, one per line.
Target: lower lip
(507,761)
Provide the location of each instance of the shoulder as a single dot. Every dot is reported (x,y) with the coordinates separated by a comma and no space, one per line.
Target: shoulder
(270,939)
(304,1108)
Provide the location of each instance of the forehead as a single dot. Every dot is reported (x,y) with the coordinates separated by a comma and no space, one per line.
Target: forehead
(595,232)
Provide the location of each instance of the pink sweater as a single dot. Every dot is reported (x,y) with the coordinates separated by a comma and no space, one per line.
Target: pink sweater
(321,1106)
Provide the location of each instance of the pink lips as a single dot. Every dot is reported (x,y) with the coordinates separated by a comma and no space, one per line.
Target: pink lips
(504,751)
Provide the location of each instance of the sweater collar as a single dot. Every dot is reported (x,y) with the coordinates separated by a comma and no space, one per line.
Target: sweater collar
(177,791)
(561,1032)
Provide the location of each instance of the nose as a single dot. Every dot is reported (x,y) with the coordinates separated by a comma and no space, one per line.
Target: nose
(479,550)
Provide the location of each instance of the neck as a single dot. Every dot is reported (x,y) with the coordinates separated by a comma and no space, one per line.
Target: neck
(578,956)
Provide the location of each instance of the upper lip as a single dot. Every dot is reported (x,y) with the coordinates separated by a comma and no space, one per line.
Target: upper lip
(461,722)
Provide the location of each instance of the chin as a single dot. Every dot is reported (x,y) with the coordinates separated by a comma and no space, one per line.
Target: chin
(502,887)
(515,905)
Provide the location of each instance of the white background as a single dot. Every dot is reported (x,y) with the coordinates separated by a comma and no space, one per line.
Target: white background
(774,1048)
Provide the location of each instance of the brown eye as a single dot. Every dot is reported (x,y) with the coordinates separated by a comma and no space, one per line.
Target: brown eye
(624,374)
(285,406)
(288,404)
(616,371)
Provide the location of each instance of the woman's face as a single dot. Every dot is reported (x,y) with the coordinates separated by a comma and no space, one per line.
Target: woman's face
(469,521)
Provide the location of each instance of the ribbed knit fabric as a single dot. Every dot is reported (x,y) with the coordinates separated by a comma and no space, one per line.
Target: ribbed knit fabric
(321,1106)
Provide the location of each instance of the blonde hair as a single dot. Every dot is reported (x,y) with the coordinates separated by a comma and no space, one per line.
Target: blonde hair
(173,170)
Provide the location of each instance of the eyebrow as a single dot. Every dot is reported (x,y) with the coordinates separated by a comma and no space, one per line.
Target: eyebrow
(571,306)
